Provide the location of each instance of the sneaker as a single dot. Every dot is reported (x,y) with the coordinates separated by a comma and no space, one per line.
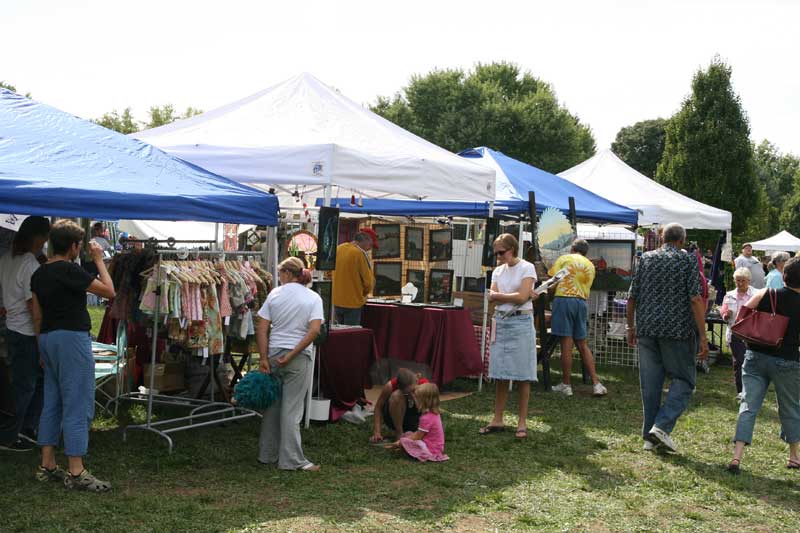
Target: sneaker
(740,397)
(659,436)
(563,388)
(56,474)
(599,390)
(649,446)
(18,445)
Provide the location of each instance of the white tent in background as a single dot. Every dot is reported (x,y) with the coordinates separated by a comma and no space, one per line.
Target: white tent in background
(303,134)
(782,242)
(607,175)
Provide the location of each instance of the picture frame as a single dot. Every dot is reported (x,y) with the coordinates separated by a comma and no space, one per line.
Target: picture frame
(417,278)
(325,290)
(613,264)
(440,286)
(387,279)
(415,244)
(388,241)
(440,245)
(327,238)
(490,233)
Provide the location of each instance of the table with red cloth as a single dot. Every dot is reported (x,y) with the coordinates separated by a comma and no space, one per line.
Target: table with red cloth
(442,339)
(345,360)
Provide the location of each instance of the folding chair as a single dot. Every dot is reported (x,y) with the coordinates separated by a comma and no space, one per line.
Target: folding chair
(110,365)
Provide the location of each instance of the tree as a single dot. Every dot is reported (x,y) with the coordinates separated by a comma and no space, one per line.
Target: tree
(495,105)
(707,151)
(122,123)
(641,145)
(776,171)
(165,114)
(11,88)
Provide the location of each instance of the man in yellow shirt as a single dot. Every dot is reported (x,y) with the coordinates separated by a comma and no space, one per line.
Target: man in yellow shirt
(353,279)
(570,314)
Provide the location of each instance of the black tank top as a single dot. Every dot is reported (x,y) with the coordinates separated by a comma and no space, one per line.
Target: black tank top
(787,303)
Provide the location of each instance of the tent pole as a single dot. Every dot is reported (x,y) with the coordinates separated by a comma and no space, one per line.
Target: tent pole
(485,317)
(466,255)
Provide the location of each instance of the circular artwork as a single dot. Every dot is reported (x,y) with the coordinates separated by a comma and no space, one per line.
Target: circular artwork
(555,235)
(303,244)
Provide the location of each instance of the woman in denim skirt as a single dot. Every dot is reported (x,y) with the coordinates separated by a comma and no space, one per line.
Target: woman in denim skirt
(781,366)
(513,348)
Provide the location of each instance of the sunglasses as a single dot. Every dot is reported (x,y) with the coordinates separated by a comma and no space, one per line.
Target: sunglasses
(498,253)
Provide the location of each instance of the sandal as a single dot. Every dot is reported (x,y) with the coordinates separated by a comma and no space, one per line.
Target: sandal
(86,481)
(56,474)
(490,429)
(792,464)
(733,467)
(310,467)
(522,433)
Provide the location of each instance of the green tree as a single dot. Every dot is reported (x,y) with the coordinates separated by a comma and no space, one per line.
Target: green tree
(641,145)
(707,151)
(123,123)
(495,105)
(161,115)
(777,171)
(12,88)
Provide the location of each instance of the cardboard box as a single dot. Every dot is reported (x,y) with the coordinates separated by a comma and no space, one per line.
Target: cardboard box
(168,378)
(474,302)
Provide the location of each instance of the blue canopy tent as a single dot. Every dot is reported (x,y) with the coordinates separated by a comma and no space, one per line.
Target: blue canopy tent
(513,181)
(53,163)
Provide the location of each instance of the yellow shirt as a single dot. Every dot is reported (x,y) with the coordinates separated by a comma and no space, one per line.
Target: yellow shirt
(578,282)
(353,279)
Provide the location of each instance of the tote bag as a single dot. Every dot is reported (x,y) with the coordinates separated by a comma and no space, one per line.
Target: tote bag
(761,327)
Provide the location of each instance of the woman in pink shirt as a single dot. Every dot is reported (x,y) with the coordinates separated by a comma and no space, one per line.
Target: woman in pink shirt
(733,301)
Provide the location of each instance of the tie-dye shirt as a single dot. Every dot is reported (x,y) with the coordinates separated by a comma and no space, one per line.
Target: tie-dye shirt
(579,281)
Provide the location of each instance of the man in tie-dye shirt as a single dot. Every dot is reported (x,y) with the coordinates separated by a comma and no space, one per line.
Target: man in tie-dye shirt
(570,314)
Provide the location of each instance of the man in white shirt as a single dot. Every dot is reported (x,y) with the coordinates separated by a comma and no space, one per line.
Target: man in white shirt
(746,260)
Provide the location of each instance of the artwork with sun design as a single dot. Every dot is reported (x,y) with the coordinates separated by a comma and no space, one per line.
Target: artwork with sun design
(555,235)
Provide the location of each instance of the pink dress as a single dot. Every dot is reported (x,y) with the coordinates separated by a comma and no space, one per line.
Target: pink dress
(431,447)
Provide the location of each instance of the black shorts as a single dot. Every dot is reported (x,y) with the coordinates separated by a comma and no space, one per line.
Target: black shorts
(410,419)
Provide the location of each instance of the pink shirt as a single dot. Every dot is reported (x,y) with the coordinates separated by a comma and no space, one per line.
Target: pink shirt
(431,425)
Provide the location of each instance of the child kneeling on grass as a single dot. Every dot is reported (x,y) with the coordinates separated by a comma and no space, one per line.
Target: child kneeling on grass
(427,443)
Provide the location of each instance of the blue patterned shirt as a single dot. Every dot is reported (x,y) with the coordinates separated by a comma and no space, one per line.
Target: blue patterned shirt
(662,288)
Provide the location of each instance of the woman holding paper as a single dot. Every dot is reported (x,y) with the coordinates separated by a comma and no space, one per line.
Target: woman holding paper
(513,347)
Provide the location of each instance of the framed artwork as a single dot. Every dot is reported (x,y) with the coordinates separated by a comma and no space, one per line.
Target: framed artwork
(325,290)
(440,286)
(388,242)
(327,238)
(440,246)
(387,279)
(415,242)
(474,284)
(490,233)
(613,264)
(417,278)
(303,244)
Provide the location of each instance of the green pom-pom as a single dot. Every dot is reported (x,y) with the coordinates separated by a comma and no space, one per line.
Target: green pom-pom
(257,390)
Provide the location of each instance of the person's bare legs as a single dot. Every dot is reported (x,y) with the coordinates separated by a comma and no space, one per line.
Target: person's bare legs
(75,464)
(738,451)
(397,410)
(524,395)
(793,447)
(500,397)
(566,360)
(588,359)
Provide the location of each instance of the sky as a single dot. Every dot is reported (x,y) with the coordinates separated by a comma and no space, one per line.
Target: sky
(611,63)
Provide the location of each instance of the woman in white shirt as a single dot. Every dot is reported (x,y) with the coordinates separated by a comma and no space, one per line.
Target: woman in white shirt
(733,301)
(291,319)
(513,350)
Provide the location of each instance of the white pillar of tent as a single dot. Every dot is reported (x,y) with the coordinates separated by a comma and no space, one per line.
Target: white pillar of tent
(485,318)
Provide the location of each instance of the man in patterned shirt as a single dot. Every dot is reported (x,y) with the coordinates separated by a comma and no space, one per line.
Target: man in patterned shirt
(667,300)
(570,314)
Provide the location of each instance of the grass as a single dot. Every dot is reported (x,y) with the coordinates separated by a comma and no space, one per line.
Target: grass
(582,468)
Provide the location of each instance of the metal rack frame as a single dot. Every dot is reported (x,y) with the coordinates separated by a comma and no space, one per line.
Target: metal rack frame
(219,412)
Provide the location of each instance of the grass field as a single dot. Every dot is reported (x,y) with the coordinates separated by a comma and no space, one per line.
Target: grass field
(582,468)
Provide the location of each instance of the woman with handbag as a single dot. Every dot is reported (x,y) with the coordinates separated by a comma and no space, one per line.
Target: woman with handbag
(731,304)
(778,363)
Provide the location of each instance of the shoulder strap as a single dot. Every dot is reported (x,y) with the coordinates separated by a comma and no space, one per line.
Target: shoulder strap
(773,296)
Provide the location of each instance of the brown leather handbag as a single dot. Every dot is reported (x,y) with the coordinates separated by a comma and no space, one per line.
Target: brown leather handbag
(761,327)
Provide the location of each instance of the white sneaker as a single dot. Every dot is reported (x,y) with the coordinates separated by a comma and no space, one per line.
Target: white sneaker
(649,446)
(599,389)
(664,438)
(563,388)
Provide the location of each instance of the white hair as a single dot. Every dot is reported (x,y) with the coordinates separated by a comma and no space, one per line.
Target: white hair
(743,272)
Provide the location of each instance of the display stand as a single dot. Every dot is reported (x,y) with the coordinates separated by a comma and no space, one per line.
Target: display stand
(203,412)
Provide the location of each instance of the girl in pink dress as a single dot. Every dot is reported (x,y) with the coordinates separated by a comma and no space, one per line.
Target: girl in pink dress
(427,443)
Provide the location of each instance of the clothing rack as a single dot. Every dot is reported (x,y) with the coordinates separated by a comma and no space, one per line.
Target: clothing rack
(203,412)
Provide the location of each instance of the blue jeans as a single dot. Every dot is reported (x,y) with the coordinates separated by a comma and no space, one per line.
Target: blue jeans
(26,382)
(68,390)
(758,371)
(660,358)
(348,316)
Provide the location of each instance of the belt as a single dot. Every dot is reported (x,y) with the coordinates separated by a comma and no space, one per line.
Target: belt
(501,314)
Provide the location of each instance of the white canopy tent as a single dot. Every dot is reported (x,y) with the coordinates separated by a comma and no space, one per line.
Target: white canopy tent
(607,175)
(782,242)
(303,135)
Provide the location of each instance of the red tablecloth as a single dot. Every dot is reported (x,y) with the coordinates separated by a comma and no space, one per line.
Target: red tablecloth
(345,360)
(443,339)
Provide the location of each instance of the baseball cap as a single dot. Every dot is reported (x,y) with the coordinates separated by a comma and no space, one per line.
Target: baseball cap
(373,236)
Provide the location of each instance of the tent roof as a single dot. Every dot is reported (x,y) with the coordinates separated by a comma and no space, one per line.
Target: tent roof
(781,242)
(302,132)
(513,181)
(608,175)
(53,163)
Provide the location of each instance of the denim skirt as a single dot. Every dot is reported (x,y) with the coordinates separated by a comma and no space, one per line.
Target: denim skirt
(513,353)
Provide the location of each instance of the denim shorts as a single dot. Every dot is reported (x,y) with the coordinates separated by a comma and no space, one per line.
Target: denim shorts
(569,318)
